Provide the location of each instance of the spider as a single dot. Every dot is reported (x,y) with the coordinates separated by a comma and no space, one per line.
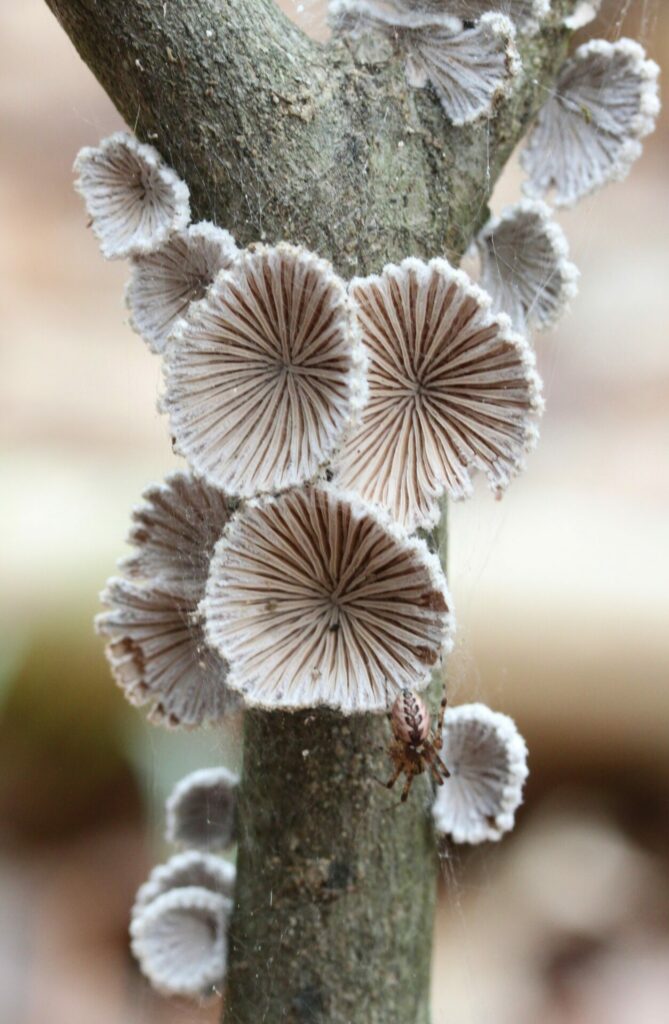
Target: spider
(413,749)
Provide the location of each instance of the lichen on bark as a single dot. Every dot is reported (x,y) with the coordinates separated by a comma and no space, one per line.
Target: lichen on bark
(279,137)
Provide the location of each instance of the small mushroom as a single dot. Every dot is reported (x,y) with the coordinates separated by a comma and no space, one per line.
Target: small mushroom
(469,67)
(174,531)
(159,655)
(134,200)
(590,130)
(185,870)
(451,389)
(584,12)
(266,374)
(487,760)
(315,600)
(201,810)
(164,283)
(157,650)
(180,942)
(525,266)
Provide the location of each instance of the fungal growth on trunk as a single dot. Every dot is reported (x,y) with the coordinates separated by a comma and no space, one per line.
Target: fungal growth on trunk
(201,810)
(265,375)
(525,266)
(487,760)
(164,283)
(451,389)
(331,379)
(590,130)
(180,942)
(134,200)
(469,68)
(317,600)
(157,650)
(192,869)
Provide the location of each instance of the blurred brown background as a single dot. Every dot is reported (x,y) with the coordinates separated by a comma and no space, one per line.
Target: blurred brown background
(561,593)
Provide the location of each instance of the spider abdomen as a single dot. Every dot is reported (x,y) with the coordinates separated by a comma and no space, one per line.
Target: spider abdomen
(410,719)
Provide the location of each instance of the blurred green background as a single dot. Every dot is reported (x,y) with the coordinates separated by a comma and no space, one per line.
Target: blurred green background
(561,595)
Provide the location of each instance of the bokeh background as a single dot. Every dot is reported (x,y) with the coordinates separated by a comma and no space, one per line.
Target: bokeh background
(561,591)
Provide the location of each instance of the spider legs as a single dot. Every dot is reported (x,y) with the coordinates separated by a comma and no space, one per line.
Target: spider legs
(393,778)
(437,767)
(407,787)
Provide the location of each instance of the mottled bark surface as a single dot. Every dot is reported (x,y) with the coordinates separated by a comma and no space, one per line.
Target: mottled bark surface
(281,138)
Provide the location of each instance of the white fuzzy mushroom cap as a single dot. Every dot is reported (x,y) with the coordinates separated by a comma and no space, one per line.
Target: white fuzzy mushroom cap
(357,18)
(584,12)
(134,200)
(157,651)
(525,14)
(451,389)
(185,870)
(525,265)
(174,531)
(317,600)
(590,130)
(180,942)
(487,759)
(470,69)
(159,656)
(266,374)
(201,810)
(163,284)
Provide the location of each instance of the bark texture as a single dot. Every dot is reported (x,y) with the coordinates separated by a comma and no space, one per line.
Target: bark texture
(281,138)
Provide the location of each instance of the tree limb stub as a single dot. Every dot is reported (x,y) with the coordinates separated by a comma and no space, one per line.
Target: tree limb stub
(281,138)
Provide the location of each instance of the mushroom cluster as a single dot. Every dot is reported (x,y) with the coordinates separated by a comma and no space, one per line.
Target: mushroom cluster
(323,422)
(180,917)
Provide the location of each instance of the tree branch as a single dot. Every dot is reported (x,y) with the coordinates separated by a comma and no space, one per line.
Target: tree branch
(279,138)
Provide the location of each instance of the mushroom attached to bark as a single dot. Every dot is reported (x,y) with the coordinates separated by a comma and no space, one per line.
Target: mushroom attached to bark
(470,67)
(185,870)
(202,810)
(316,600)
(451,389)
(589,132)
(180,942)
(487,760)
(266,374)
(157,650)
(525,265)
(134,200)
(164,283)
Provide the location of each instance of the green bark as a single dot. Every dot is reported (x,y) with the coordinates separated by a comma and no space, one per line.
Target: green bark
(280,138)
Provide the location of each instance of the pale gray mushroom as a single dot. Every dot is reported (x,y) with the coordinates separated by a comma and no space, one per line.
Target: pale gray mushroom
(590,130)
(525,265)
(266,374)
(134,200)
(584,12)
(157,651)
(487,759)
(469,68)
(525,14)
(180,942)
(451,389)
(174,531)
(185,870)
(315,600)
(163,283)
(159,655)
(201,810)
